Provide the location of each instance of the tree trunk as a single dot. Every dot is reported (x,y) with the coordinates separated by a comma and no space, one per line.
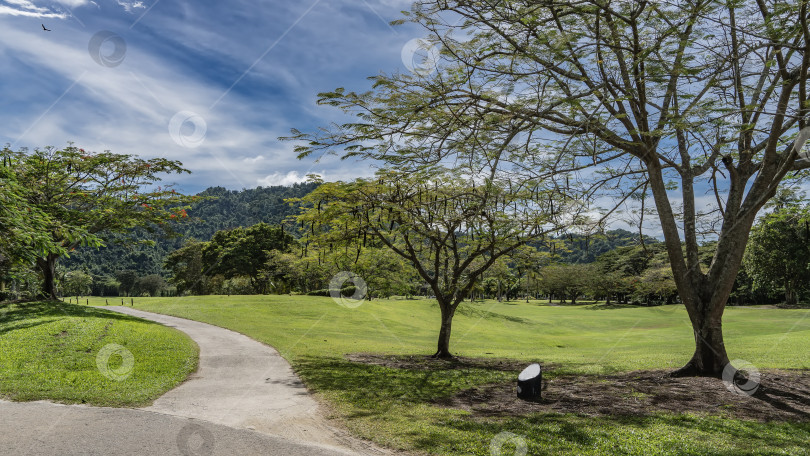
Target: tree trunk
(47,266)
(710,356)
(791,297)
(443,351)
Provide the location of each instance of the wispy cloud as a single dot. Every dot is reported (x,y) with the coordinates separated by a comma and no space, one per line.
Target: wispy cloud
(26,8)
(130,6)
(59,9)
(181,56)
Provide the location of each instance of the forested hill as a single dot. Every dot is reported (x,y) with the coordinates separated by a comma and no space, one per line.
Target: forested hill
(231,208)
(226,209)
(577,248)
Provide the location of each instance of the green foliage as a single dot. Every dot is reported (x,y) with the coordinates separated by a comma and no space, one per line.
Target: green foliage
(778,253)
(656,285)
(100,192)
(566,281)
(150,285)
(127,279)
(609,102)
(449,230)
(245,252)
(23,235)
(578,248)
(105,285)
(87,196)
(77,283)
(631,260)
(186,268)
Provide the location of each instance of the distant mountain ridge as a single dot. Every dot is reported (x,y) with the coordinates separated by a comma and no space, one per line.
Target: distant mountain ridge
(233,208)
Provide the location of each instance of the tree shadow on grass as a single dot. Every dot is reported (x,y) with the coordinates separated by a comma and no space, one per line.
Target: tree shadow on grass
(377,392)
(31,314)
(787,398)
(376,389)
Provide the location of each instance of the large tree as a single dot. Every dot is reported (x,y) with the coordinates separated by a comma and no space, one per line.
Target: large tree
(88,196)
(22,236)
(677,99)
(450,228)
(245,252)
(186,267)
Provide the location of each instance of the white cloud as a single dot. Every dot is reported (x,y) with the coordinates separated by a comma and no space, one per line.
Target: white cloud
(129,6)
(128,108)
(253,160)
(277,178)
(74,3)
(26,8)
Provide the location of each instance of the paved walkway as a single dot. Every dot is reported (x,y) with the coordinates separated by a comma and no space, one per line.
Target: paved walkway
(44,428)
(241,386)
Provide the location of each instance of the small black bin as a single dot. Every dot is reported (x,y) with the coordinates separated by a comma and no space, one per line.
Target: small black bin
(529,384)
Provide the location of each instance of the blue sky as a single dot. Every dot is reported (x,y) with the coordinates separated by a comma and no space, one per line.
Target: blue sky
(212,84)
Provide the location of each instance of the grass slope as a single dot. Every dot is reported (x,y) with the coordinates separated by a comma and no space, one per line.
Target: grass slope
(399,407)
(49,351)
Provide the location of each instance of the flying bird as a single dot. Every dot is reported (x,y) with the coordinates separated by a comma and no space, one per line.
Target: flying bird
(46,29)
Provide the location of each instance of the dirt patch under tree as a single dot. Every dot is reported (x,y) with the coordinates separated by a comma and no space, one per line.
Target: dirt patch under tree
(782,395)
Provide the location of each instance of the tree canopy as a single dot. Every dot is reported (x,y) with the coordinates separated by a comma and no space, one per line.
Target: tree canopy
(609,100)
(450,229)
(245,252)
(87,196)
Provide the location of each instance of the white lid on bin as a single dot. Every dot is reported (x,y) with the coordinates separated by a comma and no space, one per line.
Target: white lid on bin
(529,373)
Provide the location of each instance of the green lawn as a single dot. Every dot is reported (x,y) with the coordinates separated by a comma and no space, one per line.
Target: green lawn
(62,352)
(398,407)
(587,339)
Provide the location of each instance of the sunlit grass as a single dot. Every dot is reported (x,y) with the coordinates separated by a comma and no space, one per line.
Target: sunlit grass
(51,350)
(585,339)
(398,407)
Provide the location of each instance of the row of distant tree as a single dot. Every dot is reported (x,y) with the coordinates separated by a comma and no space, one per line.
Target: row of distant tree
(266,259)
(776,267)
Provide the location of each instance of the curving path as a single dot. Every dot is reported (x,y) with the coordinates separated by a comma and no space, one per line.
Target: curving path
(243,399)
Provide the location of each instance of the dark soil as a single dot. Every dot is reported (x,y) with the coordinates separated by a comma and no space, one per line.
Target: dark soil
(782,395)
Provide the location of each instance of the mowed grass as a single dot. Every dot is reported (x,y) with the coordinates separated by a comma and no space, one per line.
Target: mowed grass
(401,407)
(51,351)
